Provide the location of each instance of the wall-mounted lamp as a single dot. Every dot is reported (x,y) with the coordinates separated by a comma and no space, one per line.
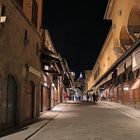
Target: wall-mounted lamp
(53,85)
(126,88)
(45,84)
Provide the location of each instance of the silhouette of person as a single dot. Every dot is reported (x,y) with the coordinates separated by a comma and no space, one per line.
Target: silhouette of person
(87,96)
(94,97)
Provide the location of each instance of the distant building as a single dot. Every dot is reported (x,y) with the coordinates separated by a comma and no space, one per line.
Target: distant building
(87,74)
(79,83)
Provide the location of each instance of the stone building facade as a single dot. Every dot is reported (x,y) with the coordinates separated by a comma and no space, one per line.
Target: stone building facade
(20,68)
(29,84)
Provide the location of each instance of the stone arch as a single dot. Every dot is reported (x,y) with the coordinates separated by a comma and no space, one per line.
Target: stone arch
(125,39)
(134,22)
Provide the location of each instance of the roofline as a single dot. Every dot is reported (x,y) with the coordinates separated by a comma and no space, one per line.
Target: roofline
(49,37)
(109,9)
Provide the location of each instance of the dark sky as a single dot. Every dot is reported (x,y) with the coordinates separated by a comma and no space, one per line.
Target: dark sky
(77,30)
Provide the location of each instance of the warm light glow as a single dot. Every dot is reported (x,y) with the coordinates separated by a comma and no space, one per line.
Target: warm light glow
(126,88)
(45,84)
(2,19)
(72,73)
(53,85)
(46,67)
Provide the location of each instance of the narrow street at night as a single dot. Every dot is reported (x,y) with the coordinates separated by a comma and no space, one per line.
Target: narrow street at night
(85,121)
(70,70)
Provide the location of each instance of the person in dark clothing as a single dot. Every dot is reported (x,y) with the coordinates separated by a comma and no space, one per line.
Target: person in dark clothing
(94,97)
(87,96)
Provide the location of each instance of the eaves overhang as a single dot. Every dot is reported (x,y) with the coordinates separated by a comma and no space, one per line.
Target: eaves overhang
(51,54)
(49,57)
(135,45)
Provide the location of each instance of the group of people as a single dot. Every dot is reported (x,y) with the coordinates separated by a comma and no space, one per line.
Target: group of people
(94,97)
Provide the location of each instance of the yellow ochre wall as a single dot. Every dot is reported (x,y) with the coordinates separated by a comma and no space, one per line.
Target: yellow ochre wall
(119,12)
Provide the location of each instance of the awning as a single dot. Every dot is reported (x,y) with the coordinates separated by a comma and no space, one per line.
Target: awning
(52,54)
(49,56)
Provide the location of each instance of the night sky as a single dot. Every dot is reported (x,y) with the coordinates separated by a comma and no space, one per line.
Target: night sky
(77,30)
